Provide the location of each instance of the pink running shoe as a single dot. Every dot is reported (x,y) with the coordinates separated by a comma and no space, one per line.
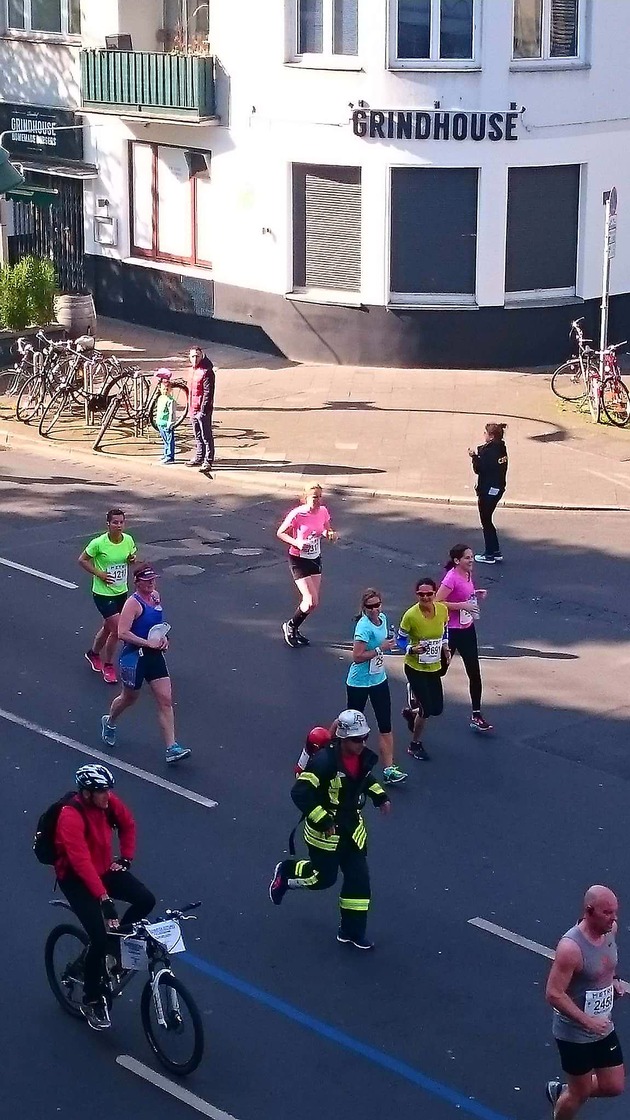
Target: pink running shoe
(94,660)
(109,674)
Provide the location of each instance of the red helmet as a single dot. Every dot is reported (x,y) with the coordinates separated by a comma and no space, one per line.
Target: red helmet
(318,737)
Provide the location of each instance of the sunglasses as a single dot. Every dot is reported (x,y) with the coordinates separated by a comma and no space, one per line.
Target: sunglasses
(372,606)
(425,594)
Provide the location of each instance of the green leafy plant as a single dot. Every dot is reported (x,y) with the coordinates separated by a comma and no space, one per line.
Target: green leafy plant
(27,292)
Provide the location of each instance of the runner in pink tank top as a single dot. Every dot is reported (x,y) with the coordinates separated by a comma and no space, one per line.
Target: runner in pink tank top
(303,529)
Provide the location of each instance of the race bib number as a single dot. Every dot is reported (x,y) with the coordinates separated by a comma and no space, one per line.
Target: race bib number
(433,653)
(376,664)
(310,547)
(118,572)
(599,1002)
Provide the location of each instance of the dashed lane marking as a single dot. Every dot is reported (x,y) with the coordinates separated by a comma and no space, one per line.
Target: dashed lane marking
(110,759)
(163,1083)
(515,938)
(38,574)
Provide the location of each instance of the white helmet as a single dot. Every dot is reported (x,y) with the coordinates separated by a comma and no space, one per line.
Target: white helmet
(352,725)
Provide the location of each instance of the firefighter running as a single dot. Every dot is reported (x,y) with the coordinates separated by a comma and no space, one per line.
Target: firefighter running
(330,793)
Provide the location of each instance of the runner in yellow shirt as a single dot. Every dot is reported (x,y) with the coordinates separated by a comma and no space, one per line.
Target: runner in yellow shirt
(423,635)
(106,559)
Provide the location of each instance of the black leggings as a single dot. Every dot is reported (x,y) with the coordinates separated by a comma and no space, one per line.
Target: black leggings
(487,505)
(120,884)
(464,642)
(380,699)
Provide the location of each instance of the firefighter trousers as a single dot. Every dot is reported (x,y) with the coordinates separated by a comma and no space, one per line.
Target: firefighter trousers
(320,871)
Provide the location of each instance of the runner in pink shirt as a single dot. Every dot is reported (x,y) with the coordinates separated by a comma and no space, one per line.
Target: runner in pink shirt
(303,530)
(457,590)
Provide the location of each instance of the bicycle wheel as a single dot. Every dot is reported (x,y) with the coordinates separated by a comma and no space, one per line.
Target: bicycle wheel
(64,955)
(30,399)
(616,401)
(179,1043)
(180,396)
(56,405)
(567,381)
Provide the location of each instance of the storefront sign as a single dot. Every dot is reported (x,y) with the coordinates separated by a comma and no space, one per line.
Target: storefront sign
(38,129)
(414,124)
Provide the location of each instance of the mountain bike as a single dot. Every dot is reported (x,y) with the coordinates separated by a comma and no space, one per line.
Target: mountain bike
(608,394)
(170,1018)
(570,381)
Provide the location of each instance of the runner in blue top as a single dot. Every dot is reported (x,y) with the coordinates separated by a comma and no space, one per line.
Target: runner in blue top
(143,632)
(367,677)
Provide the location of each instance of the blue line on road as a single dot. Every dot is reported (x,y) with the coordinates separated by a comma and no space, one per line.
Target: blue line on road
(393,1065)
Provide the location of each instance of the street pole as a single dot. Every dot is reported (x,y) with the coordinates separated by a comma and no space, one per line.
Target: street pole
(610,239)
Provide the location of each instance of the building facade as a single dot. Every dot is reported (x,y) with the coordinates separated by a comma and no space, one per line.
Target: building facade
(377,182)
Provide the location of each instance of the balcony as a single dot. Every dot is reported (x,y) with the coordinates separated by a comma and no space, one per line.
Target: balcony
(149,84)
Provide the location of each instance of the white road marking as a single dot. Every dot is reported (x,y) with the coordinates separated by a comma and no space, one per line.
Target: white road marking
(40,575)
(608,478)
(110,759)
(515,938)
(183,1095)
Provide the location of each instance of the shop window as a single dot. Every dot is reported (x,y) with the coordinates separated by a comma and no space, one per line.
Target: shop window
(542,230)
(432,31)
(433,234)
(547,29)
(170,203)
(326,27)
(327,228)
(60,17)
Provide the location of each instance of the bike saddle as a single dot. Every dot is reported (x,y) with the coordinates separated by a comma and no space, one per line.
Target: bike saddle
(84,342)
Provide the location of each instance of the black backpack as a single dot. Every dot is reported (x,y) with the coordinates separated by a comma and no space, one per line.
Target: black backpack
(44,839)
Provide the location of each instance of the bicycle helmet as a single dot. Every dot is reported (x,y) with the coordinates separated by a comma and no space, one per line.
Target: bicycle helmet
(352,725)
(94,777)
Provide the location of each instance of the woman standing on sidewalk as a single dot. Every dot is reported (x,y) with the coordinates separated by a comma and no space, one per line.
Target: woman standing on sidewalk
(367,678)
(490,464)
(458,592)
(303,529)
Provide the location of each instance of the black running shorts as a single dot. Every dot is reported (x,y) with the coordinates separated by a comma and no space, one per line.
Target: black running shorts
(427,689)
(579,1058)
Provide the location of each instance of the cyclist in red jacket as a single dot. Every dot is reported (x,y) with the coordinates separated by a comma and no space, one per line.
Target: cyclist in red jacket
(91,877)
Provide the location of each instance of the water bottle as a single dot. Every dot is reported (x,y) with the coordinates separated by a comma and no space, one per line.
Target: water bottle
(472,607)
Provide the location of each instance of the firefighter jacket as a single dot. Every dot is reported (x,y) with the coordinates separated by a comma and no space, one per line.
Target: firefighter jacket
(330,799)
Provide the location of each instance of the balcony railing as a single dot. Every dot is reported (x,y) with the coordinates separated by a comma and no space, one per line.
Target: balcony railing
(148,84)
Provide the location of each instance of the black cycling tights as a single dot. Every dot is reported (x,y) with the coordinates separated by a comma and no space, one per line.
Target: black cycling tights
(464,642)
(120,885)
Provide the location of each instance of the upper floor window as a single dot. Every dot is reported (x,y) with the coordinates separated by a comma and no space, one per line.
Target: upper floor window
(186,26)
(433,30)
(547,29)
(327,27)
(60,17)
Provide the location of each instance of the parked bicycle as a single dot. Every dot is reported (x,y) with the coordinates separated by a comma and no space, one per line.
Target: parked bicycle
(570,380)
(133,398)
(587,378)
(83,386)
(170,1018)
(37,375)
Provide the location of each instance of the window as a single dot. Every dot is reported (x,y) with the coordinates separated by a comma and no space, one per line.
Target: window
(327,27)
(542,229)
(433,233)
(433,30)
(546,29)
(186,25)
(170,203)
(327,228)
(60,17)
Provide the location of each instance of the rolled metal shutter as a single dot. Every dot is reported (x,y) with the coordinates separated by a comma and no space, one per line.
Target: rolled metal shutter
(333,228)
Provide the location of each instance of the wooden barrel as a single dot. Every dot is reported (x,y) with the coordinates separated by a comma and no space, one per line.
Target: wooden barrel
(76,313)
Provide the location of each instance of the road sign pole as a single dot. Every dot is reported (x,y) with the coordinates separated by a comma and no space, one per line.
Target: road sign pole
(610,238)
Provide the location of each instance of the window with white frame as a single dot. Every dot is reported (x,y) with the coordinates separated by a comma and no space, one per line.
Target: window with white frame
(547,29)
(433,31)
(326,27)
(58,17)
(542,230)
(170,203)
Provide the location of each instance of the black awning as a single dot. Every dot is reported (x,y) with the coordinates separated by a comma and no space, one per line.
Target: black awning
(70,168)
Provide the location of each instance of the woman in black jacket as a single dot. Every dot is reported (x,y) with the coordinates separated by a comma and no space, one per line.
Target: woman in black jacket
(490,464)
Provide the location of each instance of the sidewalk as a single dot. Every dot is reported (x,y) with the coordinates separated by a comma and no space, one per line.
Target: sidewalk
(385,432)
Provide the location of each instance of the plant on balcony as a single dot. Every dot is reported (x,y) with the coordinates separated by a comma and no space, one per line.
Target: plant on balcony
(27,292)
(177,42)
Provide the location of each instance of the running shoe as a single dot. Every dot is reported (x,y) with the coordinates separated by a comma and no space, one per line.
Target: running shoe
(481,558)
(279,885)
(356,942)
(177,753)
(498,557)
(300,639)
(108,732)
(194,462)
(97,1014)
(409,717)
(109,674)
(289,634)
(553,1090)
(478,723)
(393,775)
(94,660)
(417,751)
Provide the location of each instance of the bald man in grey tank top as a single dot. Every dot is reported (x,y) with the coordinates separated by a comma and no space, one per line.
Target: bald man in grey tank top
(582,988)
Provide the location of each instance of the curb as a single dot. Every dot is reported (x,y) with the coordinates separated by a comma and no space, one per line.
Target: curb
(260,480)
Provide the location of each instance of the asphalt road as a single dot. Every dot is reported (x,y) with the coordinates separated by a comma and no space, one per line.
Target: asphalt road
(444,1017)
